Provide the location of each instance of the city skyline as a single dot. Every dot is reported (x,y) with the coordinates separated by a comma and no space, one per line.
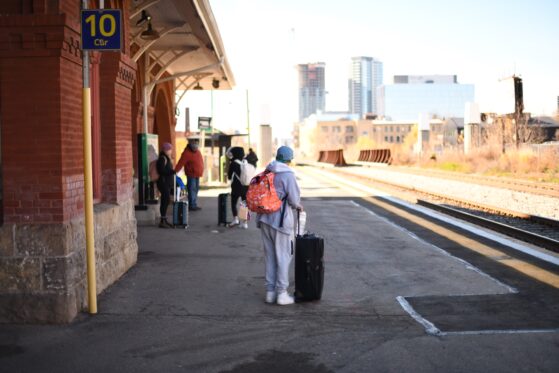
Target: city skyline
(473,39)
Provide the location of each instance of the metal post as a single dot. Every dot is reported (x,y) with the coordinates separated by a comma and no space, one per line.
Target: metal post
(146,92)
(248,122)
(142,186)
(88,183)
(212,127)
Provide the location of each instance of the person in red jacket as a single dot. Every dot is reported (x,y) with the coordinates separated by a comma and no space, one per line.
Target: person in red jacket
(193,163)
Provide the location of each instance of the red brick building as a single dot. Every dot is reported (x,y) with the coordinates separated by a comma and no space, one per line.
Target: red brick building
(42,239)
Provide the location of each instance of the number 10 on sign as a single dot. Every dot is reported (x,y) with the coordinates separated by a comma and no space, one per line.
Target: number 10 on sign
(101,29)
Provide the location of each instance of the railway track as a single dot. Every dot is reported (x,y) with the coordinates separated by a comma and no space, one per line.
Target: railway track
(527,186)
(540,231)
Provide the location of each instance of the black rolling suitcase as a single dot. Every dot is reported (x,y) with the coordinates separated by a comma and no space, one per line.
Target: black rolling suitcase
(223,209)
(309,266)
(180,209)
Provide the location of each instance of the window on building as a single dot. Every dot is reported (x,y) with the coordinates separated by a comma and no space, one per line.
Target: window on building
(386,138)
(397,129)
(397,138)
(348,139)
(349,129)
(391,138)
(365,133)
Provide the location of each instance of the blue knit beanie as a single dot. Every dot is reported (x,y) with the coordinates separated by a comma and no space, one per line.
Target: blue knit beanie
(284,154)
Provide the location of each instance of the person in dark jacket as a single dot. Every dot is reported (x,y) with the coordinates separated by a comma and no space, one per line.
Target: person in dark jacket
(166,173)
(251,157)
(238,190)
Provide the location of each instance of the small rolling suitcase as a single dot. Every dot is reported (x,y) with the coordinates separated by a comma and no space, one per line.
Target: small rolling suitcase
(309,266)
(180,210)
(223,209)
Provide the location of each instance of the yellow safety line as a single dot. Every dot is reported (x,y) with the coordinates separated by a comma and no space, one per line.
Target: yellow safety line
(489,252)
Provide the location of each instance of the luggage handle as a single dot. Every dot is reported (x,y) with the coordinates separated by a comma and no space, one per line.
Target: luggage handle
(299,222)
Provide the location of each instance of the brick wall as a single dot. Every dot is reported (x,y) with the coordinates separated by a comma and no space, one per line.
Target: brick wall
(42,243)
(39,66)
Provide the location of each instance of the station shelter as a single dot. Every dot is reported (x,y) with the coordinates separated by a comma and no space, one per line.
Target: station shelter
(168,47)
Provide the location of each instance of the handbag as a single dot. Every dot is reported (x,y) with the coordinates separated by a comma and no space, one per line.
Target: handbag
(244,213)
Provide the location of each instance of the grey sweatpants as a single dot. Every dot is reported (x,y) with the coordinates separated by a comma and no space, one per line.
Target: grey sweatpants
(278,252)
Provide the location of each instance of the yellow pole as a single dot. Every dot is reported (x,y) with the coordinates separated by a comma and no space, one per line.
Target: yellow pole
(88,184)
(88,189)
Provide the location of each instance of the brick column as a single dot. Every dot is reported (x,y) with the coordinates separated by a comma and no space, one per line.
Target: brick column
(117,79)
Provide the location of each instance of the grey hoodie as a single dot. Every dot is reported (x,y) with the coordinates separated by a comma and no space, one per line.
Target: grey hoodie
(285,183)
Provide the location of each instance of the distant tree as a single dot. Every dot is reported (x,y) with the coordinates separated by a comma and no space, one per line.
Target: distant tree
(512,130)
(411,138)
(365,143)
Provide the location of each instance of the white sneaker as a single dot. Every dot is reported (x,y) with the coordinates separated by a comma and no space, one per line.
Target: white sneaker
(234,222)
(270,297)
(284,299)
(244,225)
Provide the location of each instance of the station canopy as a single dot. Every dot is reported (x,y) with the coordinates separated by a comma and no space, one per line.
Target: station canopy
(183,40)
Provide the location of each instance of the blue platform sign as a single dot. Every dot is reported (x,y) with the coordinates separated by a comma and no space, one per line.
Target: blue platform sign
(102,29)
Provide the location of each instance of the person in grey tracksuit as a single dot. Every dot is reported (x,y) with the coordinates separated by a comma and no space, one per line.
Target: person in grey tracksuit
(278,236)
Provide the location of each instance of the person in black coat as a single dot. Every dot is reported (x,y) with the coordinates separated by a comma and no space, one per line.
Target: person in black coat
(165,182)
(238,190)
(251,157)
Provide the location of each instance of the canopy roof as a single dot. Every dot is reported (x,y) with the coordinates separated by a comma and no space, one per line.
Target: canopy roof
(189,42)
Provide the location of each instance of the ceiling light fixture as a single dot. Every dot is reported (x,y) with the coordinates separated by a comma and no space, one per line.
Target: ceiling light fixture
(143,19)
(149,33)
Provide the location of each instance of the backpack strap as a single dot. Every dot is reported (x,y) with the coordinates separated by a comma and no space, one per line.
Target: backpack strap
(283,208)
(234,173)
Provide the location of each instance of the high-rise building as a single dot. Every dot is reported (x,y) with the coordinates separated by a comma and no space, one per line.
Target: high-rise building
(312,94)
(365,77)
(439,96)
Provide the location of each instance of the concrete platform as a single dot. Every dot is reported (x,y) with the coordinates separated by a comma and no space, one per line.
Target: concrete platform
(194,303)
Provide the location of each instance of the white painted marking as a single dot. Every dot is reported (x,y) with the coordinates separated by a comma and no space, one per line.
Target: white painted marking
(430,328)
(468,265)
(506,331)
(456,222)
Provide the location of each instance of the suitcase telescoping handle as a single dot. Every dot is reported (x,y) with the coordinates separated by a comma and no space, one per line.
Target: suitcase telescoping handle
(298,222)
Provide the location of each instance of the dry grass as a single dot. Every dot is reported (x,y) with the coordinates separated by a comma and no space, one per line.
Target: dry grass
(524,163)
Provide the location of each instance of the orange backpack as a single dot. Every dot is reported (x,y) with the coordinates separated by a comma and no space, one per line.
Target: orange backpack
(261,196)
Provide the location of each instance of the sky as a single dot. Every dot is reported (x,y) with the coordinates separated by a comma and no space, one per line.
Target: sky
(480,41)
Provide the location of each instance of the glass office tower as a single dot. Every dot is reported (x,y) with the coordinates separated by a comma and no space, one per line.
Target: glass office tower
(439,95)
(365,77)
